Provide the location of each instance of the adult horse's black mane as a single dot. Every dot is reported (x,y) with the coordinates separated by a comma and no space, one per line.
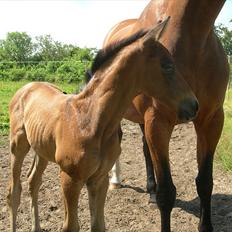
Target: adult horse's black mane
(106,53)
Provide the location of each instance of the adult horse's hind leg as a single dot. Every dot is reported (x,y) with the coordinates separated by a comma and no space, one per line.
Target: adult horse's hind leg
(35,180)
(97,189)
(208,134)
(19,147)
(151,183)
(71,190)
(115,181)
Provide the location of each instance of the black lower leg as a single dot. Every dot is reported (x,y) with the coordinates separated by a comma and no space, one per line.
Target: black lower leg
(165,196)
(151,183)
(204,182)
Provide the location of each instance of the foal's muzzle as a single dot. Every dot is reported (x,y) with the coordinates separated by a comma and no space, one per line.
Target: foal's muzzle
(188,110)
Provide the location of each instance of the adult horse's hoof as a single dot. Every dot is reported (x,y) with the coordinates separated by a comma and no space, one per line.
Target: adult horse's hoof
(115,186)
(152,200)
(207,228)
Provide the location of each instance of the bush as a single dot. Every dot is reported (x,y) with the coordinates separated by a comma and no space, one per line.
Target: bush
(4,75)
(17,74)
(38,74)
(70,72)
(53,66)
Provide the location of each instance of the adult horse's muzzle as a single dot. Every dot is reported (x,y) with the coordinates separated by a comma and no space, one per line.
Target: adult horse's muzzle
(188,110)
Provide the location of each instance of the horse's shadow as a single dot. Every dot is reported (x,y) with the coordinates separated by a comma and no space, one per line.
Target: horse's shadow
(221,209)
(136,189)
(221,205)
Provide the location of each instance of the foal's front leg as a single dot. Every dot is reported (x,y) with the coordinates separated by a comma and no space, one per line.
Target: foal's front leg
(97,189)
(158,143)
(71,190)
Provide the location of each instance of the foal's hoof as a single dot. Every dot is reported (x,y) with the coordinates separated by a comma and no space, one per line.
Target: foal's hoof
(115,186)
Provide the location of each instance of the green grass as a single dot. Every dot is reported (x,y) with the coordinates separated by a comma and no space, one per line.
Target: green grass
(7,90)
(224,149)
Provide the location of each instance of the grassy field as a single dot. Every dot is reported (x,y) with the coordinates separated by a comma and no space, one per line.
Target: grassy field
(7,90)
(224,149)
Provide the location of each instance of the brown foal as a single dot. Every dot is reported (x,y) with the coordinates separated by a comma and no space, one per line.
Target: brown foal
(200,58)
(80,132)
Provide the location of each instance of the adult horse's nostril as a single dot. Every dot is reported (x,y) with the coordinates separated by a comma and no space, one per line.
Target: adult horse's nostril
(196,105)
(188,110)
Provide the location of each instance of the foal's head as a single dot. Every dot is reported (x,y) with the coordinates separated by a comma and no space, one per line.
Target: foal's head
(160,78)
(150,64)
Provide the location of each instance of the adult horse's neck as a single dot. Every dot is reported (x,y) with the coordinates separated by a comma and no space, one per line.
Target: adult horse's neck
(190,19)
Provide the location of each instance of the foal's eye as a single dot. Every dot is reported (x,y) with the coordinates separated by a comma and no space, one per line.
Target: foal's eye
(168,68)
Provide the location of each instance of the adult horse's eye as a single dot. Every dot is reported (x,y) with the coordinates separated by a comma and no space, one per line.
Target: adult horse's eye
(168,68)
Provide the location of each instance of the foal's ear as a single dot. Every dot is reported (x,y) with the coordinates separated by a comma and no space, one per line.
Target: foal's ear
(156,32)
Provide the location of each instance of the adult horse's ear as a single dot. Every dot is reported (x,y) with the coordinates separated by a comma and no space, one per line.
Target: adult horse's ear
(156,32)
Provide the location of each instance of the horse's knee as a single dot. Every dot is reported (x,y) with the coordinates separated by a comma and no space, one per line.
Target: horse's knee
(13,196)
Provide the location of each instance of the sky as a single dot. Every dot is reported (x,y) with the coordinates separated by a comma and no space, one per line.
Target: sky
(83,23)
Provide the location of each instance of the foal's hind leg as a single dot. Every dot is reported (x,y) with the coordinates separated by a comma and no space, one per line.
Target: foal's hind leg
(35,180)
(19,148)
(151,183)
(208,134)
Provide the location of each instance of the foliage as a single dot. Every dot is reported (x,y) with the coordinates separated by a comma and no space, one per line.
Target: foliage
(17,47)
(225,145)
(42,60)
(225,36)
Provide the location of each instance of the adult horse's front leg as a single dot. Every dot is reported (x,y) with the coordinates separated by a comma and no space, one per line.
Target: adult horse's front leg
(158,132)
(208,134)
(151,183)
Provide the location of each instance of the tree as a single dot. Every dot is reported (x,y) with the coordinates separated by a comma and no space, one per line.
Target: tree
(48,49)
(18,46)
(225,36)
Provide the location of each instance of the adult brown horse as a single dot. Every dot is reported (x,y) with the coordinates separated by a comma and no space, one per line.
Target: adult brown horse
(80,132)
(202,62)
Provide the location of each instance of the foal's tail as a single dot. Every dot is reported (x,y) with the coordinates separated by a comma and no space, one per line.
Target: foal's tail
(32,166)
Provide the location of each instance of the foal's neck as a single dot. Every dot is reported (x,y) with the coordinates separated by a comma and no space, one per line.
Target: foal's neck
(108,96)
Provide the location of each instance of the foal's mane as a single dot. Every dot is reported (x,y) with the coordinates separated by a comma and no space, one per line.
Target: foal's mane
(105,54)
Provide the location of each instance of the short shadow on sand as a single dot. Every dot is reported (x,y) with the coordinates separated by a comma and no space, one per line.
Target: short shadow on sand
(221,210)
(136,189)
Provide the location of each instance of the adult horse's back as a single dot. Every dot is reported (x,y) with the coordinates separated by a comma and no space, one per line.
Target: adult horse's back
(202,62)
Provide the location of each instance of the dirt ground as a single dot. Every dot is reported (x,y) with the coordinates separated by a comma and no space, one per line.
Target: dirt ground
(127,209)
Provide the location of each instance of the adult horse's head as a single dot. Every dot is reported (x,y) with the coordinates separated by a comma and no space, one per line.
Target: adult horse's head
(161,78)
